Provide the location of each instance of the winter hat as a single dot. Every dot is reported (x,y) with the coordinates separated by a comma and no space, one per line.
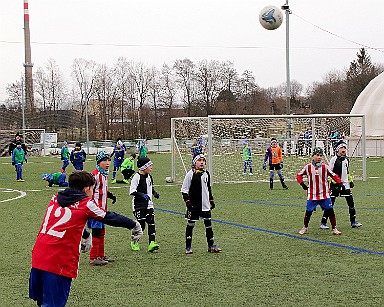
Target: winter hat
(78,144)
(340,144)
(273,140)
(65,143)
(143,163)
(200,156)
(44,176)
(317,151)
(102,156)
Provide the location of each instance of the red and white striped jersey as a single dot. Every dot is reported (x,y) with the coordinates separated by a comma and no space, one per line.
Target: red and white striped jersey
(317,180)
(100,190)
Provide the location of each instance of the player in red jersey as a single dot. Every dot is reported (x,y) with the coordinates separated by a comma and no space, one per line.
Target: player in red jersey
(100,195)
(56,253)
(317,173)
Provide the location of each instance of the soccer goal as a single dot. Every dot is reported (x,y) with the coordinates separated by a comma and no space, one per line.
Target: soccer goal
(224,136)
(34,139)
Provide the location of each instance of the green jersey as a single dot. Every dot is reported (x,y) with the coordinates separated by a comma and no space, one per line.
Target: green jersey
(247,153)
(128,164)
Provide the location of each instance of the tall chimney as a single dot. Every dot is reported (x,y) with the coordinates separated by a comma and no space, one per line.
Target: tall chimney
(29,100)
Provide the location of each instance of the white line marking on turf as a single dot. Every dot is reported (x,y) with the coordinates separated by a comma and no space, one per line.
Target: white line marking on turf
(22,194)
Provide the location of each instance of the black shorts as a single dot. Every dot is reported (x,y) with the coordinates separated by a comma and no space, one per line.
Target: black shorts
(196,215)
(274,167)
(143,213)
(341,193)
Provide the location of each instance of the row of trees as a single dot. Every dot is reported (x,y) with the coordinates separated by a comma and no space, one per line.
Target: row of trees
(132,100)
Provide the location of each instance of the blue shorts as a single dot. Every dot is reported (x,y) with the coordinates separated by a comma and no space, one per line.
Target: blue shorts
(92,223)
(324,204)
(49,289)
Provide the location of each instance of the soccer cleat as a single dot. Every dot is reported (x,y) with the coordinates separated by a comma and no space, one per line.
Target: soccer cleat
(336,232)
(153,246)
(303,230)
(324,226)
(214,249)
(97,262)
(135,246)
(250,174)
(244,174)
(113,180)
(125,181)
(356,224)
(188,250)
(108,259)
(285,187)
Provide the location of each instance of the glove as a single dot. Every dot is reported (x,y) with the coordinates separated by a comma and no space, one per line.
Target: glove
(136,232)
(351,185)
(304,186)
(212,204)
(156,195)
(112,197)
(189,205)
(146,197)
(264,166)
(13,163)
(86,245)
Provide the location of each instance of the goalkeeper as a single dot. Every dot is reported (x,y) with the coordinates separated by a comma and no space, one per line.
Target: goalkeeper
(274,157)
(56,253)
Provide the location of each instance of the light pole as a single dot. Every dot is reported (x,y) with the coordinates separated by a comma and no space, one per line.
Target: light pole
(285,7)
(86,115)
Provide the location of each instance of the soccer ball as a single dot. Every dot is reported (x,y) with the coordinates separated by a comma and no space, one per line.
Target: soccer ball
(168,180)
(271,17)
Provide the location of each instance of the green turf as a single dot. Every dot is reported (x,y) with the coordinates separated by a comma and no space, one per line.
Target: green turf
(264,262)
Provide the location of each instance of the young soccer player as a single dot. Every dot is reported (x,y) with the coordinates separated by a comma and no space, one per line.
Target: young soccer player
(317,173)
(64,156)
(143,148)
(56,253)
(197,194)
(142,203)
(55,178)
(78,157)
(18,158)
(128,167)
(100,195)
(339,164)
(247,158)
(118,152)
(274,156)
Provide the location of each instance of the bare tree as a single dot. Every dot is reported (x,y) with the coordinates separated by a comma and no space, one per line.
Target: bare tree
(208,81)
(105,93)
(83,73)
(185,72)
(141,77)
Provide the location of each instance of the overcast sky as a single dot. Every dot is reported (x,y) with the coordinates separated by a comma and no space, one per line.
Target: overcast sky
(161,31)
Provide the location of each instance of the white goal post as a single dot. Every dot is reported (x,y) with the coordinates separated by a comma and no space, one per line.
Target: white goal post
(223,137)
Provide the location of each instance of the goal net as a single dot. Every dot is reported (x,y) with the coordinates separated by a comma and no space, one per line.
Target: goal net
(33,139)
(224,137)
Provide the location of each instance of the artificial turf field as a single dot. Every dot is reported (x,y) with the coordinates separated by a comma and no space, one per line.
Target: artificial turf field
(264,261)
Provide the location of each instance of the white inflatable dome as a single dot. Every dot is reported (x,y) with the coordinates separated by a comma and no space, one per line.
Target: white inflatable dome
(371,103)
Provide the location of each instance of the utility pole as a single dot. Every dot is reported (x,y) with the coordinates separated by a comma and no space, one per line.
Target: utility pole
(29,100)
(285,7)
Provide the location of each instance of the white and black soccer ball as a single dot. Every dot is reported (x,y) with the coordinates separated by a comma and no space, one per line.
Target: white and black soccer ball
(271,17)
(168,179)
